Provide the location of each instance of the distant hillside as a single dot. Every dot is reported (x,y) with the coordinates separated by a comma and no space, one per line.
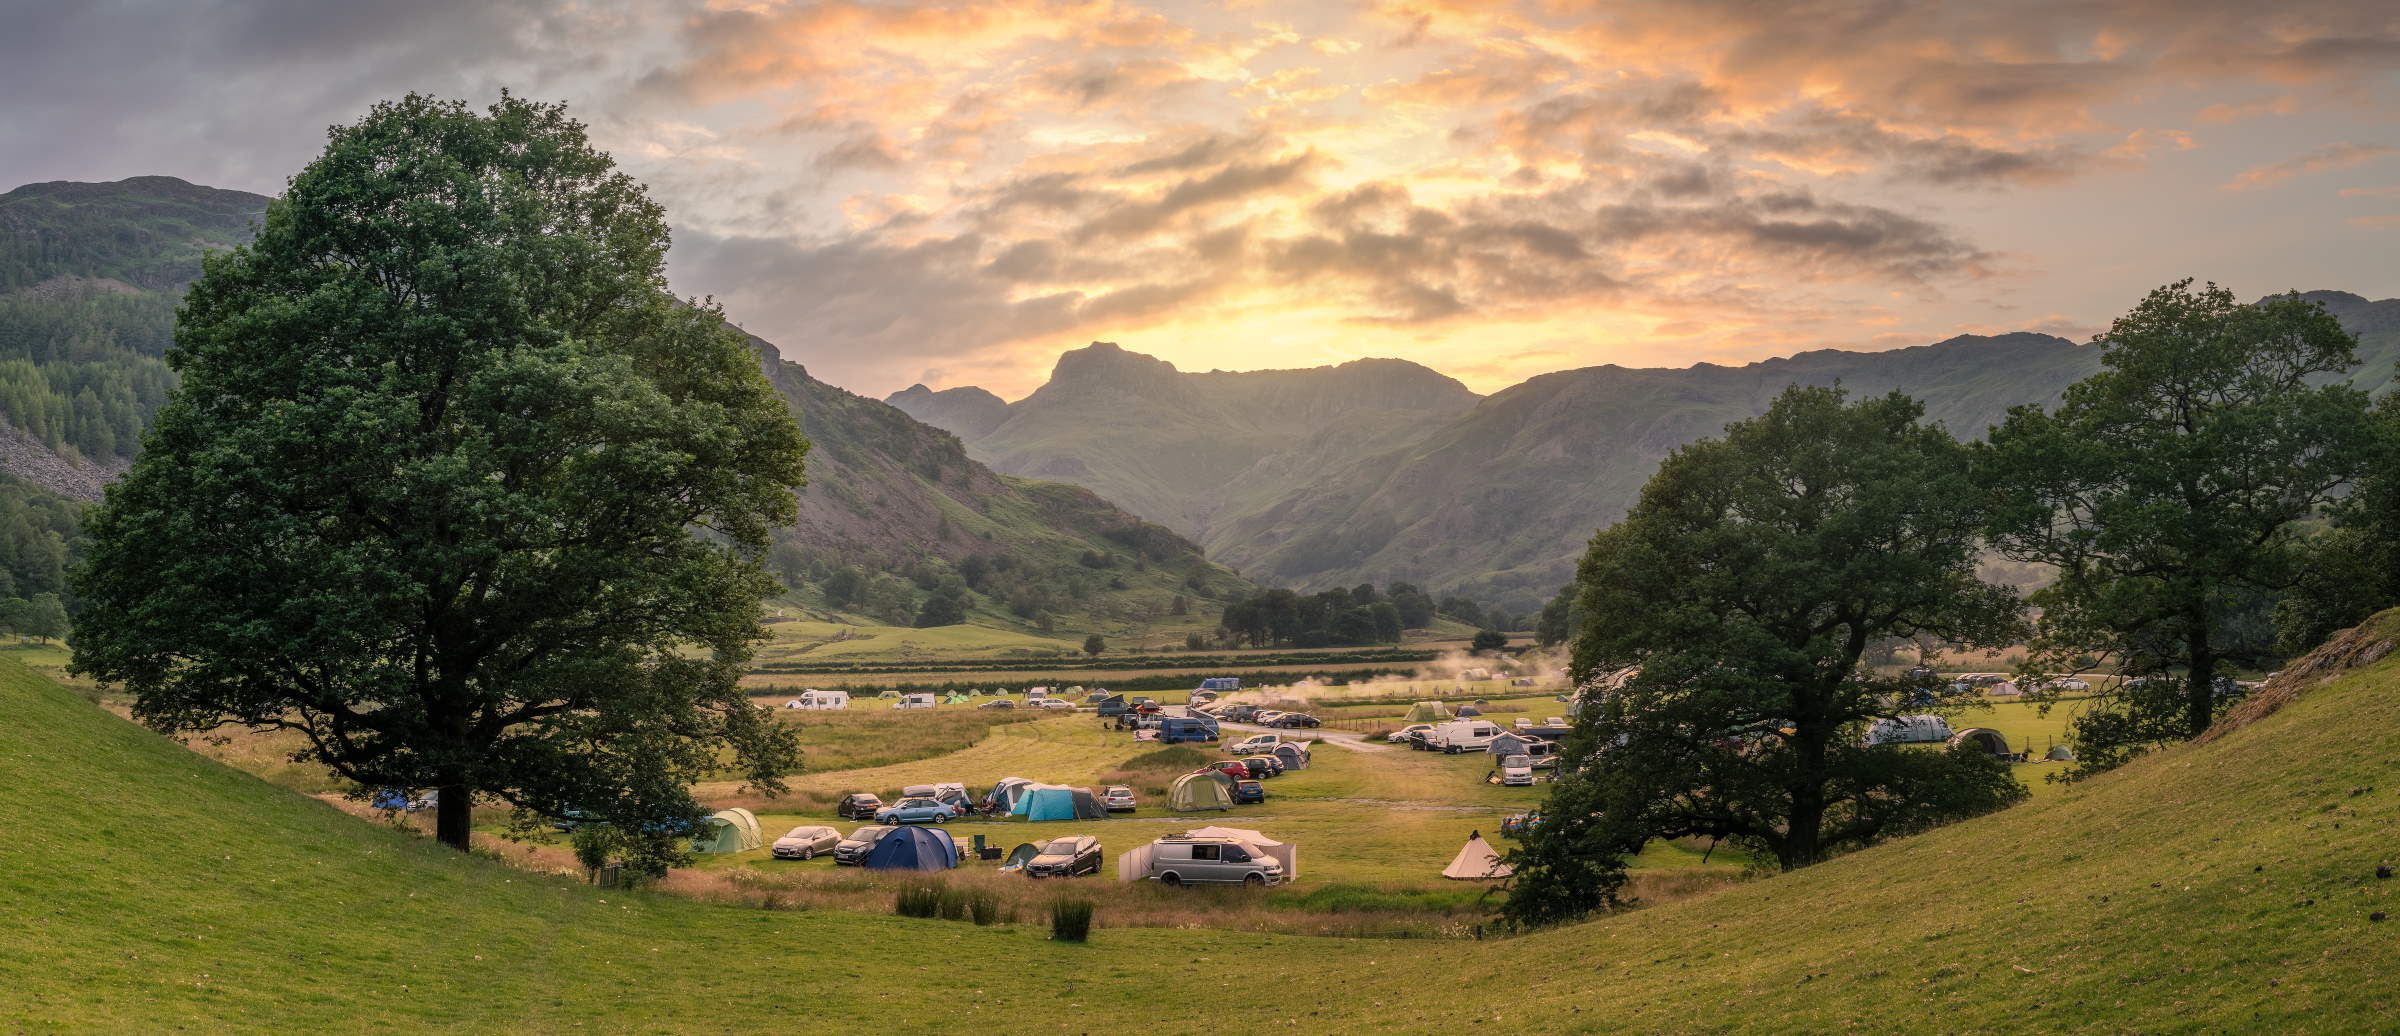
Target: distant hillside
(1187,449)
(90,275)
(969,413)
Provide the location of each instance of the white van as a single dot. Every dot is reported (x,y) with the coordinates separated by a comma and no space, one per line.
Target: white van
(1211,861)
(822,700)
(1516,771)
(1034,694)
(914,701)
(1464,735)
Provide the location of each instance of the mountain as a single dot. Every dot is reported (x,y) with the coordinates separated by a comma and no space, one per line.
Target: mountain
(90,274)
(969,413)
(1188,450)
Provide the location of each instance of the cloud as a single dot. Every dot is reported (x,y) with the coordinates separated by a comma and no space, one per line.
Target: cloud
(2322,160)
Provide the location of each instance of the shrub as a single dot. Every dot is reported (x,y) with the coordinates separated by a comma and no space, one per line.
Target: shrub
(1071,920)
(984,906)
(918,901)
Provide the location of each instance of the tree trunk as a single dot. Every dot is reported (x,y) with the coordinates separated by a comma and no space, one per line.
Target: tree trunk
(2200,699)
(454,816)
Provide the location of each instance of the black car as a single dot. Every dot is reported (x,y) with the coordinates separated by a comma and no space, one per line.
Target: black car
(1066,857)
(858,806)
(1290,720)
(1247,792)
(852,851)
(1274,766)
(1259,771)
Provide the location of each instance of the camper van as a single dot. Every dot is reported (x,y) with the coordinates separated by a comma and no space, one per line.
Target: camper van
(1465,735)
(914,701)
(1210,860)
(1034,694)
(1174,729)
(821,700)
(1516,771)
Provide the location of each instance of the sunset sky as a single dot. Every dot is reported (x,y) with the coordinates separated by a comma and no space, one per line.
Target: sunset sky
(955,193)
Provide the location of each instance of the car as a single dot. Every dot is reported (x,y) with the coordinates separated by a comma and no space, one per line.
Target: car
(1240,713)
(1065,858)
(806,842)
(998,703)
(1117,798)
(1274,766)
(1411,732)
(1258,771)
(1227,767)
(1054,705)
(1295,721)
(1247,792)
(1266,717)
(1255,744)
(1205,859)
(857,806)
(918,810)
(852,851)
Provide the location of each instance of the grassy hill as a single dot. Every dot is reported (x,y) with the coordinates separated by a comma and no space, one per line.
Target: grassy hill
(2223,885)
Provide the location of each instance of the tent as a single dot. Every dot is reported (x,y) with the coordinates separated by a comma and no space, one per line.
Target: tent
(1465,711)
(728,831)
(1992,742)
(1209,789)
(1057,802)
(1292,755)
(913,848)
(1020,856)
(1476,861)
(1282,851)
(1427,712)
(1003,796)
(954,795)
(2059,754)
(956,698)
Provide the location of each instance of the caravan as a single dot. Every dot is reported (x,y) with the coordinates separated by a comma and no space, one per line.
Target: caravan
(914,701)
(816,700)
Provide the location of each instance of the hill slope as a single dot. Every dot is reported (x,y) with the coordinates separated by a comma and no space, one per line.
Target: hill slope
(2225,885)
(1182,448)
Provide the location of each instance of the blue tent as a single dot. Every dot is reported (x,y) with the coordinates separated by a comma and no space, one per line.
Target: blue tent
(913,848)
(1052,802)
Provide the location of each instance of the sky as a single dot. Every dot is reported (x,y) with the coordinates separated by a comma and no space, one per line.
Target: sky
(955,193)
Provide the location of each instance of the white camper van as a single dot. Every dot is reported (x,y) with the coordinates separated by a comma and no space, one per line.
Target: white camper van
(1463,735)
(1516,771)
(821,700)
(914,701)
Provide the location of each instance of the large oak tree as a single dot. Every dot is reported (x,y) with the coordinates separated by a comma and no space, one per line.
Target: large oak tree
(454,487)
(1747,586)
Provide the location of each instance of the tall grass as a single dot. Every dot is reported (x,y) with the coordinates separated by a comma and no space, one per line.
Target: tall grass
(918,901)
(1070,920)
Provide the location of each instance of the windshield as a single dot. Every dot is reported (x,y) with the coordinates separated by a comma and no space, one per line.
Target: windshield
(868,834)
(1517,760)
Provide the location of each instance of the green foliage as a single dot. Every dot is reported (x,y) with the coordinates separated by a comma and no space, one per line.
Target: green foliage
(946,606)
(984,905)
(40,535)
(2169,492)
(1070,920)
(952,905)
(44,617)
(428,492)
(1093,645)
(1747,585)
(1487,641)
(918,901)
(1357,616)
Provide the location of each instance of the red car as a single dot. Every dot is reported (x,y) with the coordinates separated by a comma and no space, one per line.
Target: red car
(1229,768)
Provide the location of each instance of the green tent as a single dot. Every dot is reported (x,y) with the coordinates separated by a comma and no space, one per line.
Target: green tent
(728,831)
(1208,789)
(1427,712)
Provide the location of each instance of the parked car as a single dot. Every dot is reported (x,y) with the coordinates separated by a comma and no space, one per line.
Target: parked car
(915,811)
(1255,744)
(1266,717)
(857,806)
(1176,729)
(1229,768)
(1117,798)
(998,703)
(852,851)
(1258,770)
(1516,771)
(1066,857)
(1295,721)
(1054,704)
(805,842)
(1207,860)
(1274,766)
(1247,792)
(1411,732)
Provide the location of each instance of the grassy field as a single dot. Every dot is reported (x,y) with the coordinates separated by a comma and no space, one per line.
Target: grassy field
(2221,886)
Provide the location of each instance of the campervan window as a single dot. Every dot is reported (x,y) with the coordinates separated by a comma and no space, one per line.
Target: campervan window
(1204,852)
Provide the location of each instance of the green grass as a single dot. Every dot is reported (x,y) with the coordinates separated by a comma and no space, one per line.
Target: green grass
(2222,886)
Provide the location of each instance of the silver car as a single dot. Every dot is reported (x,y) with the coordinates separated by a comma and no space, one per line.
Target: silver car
(806,842)
(1212,861)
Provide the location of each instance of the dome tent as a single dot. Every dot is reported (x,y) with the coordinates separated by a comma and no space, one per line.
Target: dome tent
(1003,796)
(1427,712)
(1292,755)
(728,831)
(1057,802)
(1990,741)
(1476,861)
(913,848)
(1209,789)
(1019,857)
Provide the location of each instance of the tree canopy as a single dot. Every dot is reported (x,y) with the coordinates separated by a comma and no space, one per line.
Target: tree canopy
(1724,627)
(454,487)
(2168,490)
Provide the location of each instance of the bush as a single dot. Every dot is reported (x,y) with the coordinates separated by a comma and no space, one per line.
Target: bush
(1071,920)
(984,906)
(953,905)
(919,901)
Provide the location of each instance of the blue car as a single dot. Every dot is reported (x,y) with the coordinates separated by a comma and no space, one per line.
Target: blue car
(915,811)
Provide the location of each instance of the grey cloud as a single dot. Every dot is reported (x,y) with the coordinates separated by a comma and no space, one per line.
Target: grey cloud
(1227,184)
